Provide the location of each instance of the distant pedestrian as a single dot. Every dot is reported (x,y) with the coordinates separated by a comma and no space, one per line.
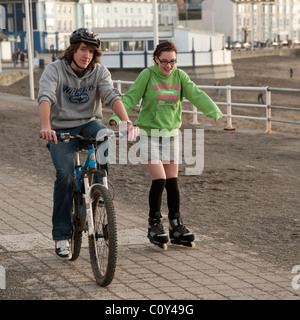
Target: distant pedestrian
(260,97)
(22,59)
(217,90)
(15,58)
(291,72)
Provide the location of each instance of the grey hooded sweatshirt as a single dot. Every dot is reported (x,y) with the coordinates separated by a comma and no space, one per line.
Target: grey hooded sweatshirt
(75,100)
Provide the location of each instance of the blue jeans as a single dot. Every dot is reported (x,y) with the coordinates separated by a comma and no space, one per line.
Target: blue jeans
(63,155)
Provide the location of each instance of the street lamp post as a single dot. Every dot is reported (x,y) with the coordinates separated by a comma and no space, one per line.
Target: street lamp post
(2,26)
(29,50)
(155,23)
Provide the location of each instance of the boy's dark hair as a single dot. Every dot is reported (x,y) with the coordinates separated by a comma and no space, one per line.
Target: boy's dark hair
(68,54)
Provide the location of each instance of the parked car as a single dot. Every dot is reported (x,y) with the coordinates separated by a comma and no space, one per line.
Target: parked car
(237,46)
(247,45)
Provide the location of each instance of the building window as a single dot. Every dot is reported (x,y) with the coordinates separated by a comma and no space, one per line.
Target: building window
(9,8)
(112,46)
(150,45)
(10,24)
(137,45)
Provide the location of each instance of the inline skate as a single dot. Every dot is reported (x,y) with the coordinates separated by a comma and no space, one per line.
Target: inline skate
(180,235)
(156,232)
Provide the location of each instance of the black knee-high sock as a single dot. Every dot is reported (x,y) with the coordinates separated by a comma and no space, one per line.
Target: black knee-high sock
(155,196)
(173,198)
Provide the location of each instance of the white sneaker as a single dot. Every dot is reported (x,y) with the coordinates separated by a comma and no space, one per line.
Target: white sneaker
(62,249)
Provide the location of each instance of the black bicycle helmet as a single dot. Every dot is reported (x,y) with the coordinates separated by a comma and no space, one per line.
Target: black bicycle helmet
(85,35)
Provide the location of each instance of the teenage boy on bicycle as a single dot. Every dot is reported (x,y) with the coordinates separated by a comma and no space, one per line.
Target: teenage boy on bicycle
(69,100)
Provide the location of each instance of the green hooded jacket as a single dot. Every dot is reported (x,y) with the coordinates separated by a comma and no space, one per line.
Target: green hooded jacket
(162,97)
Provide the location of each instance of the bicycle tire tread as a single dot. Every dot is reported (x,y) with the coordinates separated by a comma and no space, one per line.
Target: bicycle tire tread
(104,279)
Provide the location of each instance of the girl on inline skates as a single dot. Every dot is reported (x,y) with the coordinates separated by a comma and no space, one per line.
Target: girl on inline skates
(163,87)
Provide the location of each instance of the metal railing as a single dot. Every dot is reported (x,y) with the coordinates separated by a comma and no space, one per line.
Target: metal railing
(229,104)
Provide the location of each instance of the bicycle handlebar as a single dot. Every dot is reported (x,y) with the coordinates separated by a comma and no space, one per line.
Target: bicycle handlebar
(66,136)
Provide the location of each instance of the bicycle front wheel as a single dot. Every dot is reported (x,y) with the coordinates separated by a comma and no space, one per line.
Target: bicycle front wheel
(103,246)
(77,229)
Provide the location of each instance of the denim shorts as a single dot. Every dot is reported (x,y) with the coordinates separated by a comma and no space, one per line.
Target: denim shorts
(158,148)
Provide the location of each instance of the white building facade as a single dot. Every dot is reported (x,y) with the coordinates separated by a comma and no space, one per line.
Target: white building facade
(54,20)
(129,13)
(96,14)
(253,20)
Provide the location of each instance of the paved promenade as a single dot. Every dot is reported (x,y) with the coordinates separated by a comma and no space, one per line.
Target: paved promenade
(30,269)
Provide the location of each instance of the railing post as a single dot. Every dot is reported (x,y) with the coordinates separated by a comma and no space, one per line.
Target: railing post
(229,126)
(268,112)
(195,117)
(119,85)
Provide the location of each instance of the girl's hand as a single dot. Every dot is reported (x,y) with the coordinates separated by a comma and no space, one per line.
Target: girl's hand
(133,132)
(113,123)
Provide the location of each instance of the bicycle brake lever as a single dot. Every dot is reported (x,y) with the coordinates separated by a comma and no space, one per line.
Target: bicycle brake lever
(64,137)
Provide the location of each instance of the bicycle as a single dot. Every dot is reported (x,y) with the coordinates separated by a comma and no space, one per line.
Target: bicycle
(93,211)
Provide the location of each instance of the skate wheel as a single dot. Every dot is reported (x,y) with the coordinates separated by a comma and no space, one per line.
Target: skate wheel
(191,245)
(165,247)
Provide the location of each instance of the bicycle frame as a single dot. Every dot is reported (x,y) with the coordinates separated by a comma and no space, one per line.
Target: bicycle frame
(85,174)
(89,194)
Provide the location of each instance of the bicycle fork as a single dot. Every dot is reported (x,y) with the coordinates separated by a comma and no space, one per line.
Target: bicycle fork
(88,205)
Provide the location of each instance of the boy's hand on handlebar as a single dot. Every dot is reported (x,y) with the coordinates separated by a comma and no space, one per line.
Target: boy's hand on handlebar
(48,134)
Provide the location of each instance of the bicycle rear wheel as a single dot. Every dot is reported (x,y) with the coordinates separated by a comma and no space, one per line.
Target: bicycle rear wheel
(103,246)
